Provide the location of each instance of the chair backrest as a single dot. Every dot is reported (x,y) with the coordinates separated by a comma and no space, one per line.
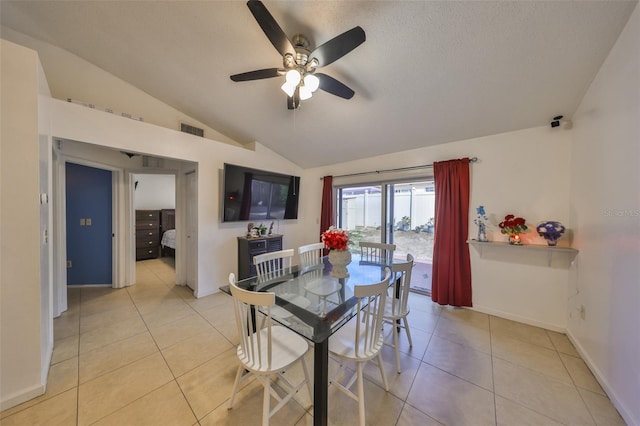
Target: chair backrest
(310,254)
(273,264)
(252,351)
(402,276)
(368,333)
(376,252)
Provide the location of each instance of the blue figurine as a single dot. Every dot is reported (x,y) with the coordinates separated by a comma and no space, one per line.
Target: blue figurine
(480,221)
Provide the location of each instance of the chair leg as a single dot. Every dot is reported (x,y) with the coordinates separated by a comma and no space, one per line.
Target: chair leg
(396,348)
(360,385)
(235,386)
(406,327)
(382,373)
(306,377)
(266,401)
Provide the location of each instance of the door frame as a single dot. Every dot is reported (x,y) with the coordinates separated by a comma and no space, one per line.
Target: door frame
(118,271)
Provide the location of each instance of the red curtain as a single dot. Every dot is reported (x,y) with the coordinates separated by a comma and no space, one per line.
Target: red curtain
(451,281)
(326,214)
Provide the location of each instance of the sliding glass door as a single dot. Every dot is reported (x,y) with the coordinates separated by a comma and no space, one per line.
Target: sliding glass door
(400,213)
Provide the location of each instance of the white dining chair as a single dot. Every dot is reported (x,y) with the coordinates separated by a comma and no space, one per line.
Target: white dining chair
(376,252)
(361,340)
(266,352)
(397,306)
(274,264)
(310,254)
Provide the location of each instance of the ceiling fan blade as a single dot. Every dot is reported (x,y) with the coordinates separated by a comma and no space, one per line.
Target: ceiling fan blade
(270,27)
(338,46)
(258,74)
(333,86)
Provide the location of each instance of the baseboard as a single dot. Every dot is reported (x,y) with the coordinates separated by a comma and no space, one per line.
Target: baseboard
(22,396)
(626,414)
(517,318)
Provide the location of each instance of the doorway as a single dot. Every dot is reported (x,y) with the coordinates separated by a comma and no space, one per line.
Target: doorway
(400,213)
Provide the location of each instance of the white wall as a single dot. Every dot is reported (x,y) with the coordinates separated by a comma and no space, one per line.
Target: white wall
(155,192)
(525,173)
(605,210)
(21,370)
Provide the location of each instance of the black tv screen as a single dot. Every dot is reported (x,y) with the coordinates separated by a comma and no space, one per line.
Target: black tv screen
(258,195)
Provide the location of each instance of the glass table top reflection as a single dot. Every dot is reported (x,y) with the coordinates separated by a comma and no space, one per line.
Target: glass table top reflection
(310,301)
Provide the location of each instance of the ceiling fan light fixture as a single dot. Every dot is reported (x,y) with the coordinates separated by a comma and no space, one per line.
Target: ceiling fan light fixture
(293,77)
(288,88)
(305,93)
(311,82)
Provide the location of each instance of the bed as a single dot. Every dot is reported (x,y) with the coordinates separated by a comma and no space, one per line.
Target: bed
(167,227)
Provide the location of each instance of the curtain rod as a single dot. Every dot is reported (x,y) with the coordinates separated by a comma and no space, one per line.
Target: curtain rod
(400,169)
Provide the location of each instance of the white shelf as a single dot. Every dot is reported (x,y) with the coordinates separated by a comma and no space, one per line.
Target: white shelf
(551,250)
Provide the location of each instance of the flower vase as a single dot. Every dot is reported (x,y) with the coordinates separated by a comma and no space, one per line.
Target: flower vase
(552,242)
(514,239)
(339,260)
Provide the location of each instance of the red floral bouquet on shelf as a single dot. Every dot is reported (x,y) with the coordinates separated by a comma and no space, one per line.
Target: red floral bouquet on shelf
(335,239)
(512,225)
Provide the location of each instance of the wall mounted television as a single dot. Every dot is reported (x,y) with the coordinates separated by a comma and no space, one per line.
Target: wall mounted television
(258,195)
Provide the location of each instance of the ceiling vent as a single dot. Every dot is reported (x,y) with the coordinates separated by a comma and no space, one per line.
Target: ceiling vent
(192,130)
(154,162)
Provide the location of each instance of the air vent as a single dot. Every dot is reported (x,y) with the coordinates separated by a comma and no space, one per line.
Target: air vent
(192,130)
(148,161)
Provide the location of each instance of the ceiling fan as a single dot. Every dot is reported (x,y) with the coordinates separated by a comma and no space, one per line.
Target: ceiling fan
(299,63)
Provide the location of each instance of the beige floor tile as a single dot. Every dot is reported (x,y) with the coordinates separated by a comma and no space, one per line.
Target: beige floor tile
(381,408)
(164,406)
(601,408)
(62,377)
(247,410)
(110,333)
(93,320)
(210,302)
(528,355)
(419,338)
(66,348)
(467,316)
(421,320)
(465,333)
(562,343)
(543,394)
(411,416)
(166,312)
(306,420)
(208,386)
(57,411)
(509,413)
(219,314)
(98,299)
(115,355)
(179,330)
(519,331)
(399,384)
(581,375)
(184,292)
(67,324)
(112,391)
(229,330)
(190,353)
(461,361)
(451,400)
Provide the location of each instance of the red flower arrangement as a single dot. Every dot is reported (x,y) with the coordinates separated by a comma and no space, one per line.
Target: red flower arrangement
(512,225)
(335,239)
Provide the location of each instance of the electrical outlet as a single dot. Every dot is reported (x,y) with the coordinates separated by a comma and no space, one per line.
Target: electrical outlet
(82,222)
(88,221)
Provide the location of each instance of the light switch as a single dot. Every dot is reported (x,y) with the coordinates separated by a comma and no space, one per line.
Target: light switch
(82,222)
(88,221)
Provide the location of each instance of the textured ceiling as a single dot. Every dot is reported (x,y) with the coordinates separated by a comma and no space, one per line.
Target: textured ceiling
(429,72)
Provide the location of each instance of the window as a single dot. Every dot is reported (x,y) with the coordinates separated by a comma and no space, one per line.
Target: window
(400,213)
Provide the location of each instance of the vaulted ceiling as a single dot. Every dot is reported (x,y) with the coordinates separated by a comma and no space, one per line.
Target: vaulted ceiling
(429,72)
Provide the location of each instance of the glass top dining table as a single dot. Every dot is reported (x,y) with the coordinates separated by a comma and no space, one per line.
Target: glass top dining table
(314,304)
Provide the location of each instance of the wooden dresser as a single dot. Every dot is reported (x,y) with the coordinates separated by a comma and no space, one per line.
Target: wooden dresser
(147,234)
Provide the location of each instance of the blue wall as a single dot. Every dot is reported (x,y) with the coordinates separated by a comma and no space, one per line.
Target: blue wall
(89,249)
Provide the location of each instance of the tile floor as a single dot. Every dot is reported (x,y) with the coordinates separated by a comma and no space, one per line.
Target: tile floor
(152,354)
